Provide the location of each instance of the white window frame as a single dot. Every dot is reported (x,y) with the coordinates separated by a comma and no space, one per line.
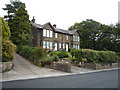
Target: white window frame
(51,34)
(48,44)
(66,37)
(56,35)
(63,45)
(51,45)
(44,33)
(44,44)
(48,33)
(78,38)
(60,45)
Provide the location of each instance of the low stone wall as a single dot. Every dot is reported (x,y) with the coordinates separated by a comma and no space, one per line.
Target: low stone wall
(99,66)
(65,67)
(5,66)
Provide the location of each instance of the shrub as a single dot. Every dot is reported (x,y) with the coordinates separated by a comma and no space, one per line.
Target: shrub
(33,53)
(55,58)
(72,51)
(52,53)
(62,54)
(8,49)
(118,53)
(91,55)
(78,55)
(107,57)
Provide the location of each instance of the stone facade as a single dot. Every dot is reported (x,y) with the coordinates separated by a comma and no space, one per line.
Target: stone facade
(50,37)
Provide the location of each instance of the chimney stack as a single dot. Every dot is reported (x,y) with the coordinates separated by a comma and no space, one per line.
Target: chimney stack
(55,25)
(33,20)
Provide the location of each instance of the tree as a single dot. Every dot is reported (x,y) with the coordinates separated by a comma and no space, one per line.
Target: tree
(97,36)
(90,31)
(12,8)
(5,29)
(21,28)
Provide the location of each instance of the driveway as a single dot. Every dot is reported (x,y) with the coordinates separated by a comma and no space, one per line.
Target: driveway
(23,69)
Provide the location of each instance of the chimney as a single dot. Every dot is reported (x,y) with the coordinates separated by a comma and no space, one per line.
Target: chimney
(55,25)
(33,20)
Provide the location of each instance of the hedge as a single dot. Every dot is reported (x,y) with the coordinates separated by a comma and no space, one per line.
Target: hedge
(93,56)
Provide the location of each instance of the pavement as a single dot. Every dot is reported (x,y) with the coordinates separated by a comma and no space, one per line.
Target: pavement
(24,69)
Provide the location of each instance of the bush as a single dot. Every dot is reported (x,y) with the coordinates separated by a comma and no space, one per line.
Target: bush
(118,53)
(108,57)
(72,51)
(91,55)
(8,49)
(62,54)
(52,53)
(33,53)
(55,58)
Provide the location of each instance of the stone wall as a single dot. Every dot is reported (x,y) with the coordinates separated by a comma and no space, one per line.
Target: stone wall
(99,66)
(65,67)
(5,66)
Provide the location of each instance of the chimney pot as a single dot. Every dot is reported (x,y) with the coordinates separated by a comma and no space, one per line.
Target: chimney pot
(55,25)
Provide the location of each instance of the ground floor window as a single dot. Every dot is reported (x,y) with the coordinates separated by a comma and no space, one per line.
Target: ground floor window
(76,46)
(47,44)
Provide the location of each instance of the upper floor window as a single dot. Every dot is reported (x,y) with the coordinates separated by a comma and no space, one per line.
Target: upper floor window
(51,34)
(75,38)
(55,35)
(66,37)
(44,33)
(78,38)
(48,33)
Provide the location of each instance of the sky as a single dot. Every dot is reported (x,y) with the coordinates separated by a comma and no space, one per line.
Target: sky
(65,13)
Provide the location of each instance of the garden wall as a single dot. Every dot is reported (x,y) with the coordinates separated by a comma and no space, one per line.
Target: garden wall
(99,66)
(65,67)
(5,66)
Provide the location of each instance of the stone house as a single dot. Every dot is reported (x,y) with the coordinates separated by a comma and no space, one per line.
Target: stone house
(50,37)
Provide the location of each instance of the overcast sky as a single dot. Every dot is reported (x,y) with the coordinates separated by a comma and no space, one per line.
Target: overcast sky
(65,13)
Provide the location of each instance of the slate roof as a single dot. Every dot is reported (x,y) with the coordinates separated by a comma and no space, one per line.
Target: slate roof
(70,32)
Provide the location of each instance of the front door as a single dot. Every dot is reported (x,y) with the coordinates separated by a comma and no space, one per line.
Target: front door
(66,47)
(55,46)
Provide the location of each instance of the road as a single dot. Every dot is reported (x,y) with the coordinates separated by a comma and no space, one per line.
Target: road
(102,79)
